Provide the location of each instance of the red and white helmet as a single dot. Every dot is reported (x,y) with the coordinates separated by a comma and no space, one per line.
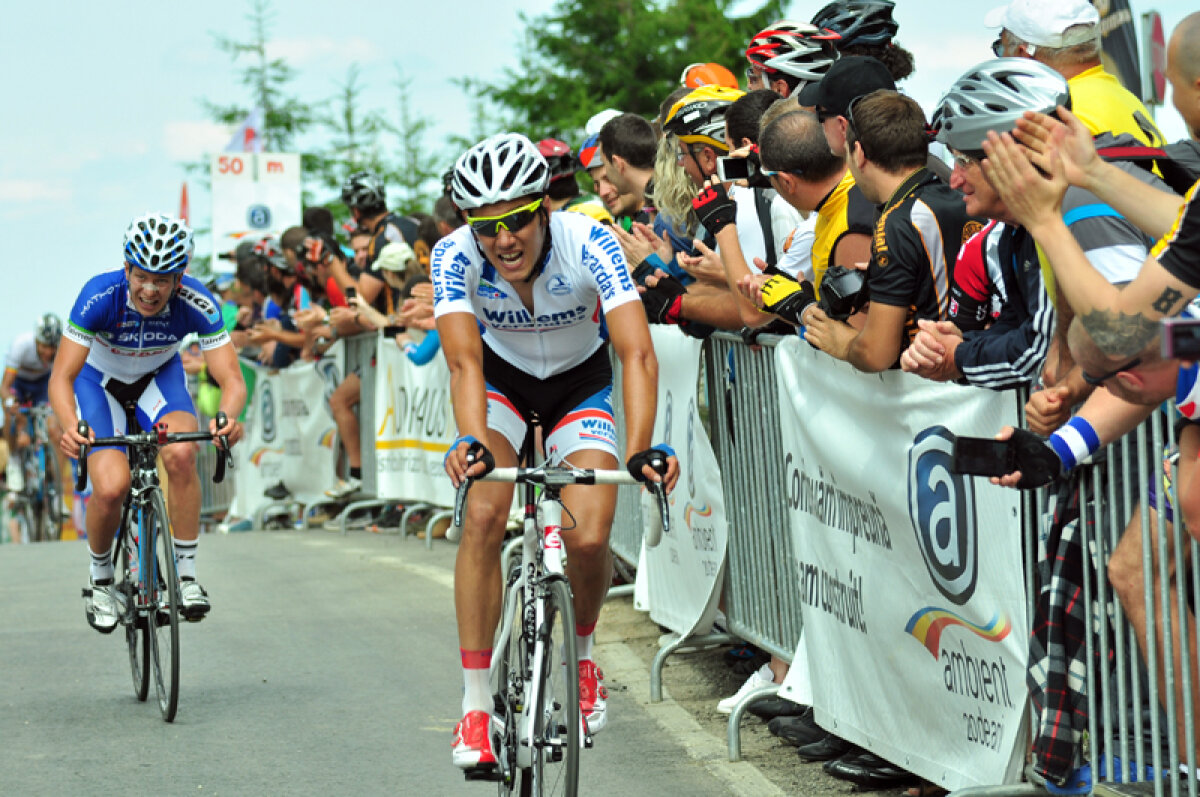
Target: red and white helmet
(794,48)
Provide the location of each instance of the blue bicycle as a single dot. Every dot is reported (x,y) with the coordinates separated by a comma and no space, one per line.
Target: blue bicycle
(37,506)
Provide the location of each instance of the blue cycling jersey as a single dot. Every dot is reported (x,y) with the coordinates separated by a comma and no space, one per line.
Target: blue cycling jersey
(124,344)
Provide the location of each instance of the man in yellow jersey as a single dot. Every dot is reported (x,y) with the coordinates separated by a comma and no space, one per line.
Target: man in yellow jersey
(1065,36)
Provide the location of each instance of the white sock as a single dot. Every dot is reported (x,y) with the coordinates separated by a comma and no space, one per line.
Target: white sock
(185,557)
(102,567)
(477,692)
(583,646)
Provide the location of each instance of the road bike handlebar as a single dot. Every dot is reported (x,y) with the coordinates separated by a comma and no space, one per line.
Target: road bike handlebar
(560,477)
(157,439)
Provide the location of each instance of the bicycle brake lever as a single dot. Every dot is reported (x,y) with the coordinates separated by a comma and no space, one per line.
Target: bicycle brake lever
(81,478)
(660,495)
(460,501)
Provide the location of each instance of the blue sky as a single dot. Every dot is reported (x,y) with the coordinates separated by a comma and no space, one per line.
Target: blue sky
(106,107)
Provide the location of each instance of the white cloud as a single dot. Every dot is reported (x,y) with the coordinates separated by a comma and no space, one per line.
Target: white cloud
(302,50)
(187,141)
(17,191)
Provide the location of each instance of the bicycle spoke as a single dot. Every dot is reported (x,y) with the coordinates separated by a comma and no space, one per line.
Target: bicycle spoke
(137,636)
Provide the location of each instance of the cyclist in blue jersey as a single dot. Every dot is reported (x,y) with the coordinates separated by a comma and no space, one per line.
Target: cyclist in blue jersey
(122,345)
(526,301)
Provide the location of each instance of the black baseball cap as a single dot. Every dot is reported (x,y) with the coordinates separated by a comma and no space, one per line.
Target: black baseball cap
(849,78)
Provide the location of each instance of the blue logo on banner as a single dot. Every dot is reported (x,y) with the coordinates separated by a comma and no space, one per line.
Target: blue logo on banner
(258,217)
(941,505)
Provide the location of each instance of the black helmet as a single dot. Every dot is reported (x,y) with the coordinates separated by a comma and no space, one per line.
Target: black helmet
(364,191)
(859,21)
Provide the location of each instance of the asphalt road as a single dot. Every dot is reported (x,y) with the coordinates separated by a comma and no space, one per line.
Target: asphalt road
(328,665)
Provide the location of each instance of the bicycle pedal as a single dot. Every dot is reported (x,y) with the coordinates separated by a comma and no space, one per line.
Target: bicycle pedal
(491,772)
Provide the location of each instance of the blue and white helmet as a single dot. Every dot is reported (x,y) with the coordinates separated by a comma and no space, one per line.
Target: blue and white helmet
(503,167)
(158,243)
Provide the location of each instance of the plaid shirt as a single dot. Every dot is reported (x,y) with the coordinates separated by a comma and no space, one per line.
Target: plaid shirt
(1057,674)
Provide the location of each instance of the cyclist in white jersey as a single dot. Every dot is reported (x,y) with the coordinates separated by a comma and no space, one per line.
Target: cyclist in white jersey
(525,302)
(122,344)
(26,374)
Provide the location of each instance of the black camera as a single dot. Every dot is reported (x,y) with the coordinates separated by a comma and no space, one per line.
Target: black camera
(843,292)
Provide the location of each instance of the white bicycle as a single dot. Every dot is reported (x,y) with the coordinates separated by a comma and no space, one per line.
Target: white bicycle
(535,679)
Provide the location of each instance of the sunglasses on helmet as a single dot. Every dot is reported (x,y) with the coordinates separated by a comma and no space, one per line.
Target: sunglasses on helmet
(513,221)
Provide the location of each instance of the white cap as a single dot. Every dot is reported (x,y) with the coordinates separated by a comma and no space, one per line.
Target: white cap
(1043,22)
(394,256)
(596,122)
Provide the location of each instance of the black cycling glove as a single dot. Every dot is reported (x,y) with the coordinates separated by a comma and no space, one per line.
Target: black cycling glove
(655,457)
(787,298)
(714,208)
(664,302)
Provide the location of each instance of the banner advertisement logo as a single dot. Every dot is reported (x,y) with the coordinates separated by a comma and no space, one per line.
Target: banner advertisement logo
(266,408)
(941,505)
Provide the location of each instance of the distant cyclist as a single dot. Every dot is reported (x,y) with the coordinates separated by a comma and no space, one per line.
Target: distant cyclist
(26,375)
(526,301)
(122,344)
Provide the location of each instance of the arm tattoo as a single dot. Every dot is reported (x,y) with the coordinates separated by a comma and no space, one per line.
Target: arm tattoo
(1166,301)
(1119,334)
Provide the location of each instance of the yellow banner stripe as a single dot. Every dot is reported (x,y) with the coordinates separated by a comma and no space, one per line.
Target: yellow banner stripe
(437,448)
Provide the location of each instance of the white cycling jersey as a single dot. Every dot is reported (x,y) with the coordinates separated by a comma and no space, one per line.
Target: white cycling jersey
(23,358)
(585,276)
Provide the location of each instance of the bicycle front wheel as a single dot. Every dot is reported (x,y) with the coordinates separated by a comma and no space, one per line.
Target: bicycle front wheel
(137,632)
(52,495)
(32,496)
(557,725)
(164,591)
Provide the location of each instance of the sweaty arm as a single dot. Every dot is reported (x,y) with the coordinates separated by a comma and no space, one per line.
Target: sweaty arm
(630,336)
(67,365)
(463,349)
(224,368)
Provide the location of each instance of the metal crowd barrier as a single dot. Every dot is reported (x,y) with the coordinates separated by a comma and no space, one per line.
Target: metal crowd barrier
(215,499)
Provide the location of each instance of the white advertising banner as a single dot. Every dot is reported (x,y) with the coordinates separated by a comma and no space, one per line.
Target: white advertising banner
(290,435)
(684,572)
(414,427)
(911,575)
(252,194)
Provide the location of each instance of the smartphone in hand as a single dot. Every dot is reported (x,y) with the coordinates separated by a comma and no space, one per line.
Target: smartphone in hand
(983,456)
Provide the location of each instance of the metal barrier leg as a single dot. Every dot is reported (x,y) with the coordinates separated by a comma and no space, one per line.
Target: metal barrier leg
(733,731)
(660,658)
(620,591)
(344,518)
(445,514)
(286,507)
(409,511)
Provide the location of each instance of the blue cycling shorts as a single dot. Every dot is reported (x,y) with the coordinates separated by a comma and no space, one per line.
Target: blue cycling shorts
(164,392)
(32,391)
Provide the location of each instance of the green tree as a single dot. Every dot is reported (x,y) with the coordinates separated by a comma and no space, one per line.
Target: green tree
(587,55)
(353,144)
(416,168)
(285,117)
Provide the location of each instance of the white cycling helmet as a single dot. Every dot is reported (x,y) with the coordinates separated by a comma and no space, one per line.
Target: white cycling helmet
(158,243)
(503,167)
(993,96)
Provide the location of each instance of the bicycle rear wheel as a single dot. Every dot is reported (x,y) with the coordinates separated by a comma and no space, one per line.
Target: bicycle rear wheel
(137,633)
(557,725)
(165,596)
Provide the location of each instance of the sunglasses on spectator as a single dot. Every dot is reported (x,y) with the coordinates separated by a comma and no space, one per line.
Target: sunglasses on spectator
(768,173)
(513,221)
(850,119)
(681,154)
(964,160)
(998,47)
(1097,381)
